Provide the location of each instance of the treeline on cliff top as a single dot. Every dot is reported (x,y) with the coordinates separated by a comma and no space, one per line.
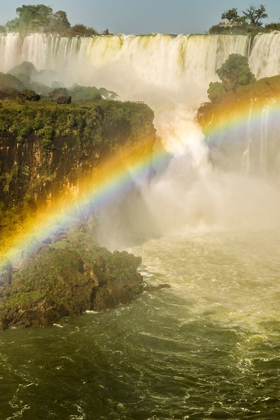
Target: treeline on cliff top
(249,21)
(41,18)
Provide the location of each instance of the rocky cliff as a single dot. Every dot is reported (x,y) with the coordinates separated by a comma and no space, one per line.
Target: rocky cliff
(242,129)
(48,151)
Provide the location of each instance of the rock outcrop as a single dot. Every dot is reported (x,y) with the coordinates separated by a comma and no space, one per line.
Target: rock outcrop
(46,150)
(241,133)
(61,100)
(65,279)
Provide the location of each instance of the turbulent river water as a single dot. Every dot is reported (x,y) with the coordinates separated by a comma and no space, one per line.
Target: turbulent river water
(208,347)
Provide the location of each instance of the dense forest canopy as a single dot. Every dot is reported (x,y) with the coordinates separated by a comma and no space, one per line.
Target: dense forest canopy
(41,18)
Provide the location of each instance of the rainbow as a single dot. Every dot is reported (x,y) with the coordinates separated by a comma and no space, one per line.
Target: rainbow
(112,179)
(238,114)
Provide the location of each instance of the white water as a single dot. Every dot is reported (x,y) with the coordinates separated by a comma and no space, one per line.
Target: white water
(172,75)
(135,66)
(265,57)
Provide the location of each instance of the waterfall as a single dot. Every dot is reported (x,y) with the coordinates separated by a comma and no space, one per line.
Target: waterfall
(133,66)
(265,56)
(161,60)
(172,75)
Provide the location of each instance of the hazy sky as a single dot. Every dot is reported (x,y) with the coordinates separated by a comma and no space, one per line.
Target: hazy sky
(143,16)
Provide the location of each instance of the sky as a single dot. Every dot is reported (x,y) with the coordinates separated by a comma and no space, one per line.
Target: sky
(143,16)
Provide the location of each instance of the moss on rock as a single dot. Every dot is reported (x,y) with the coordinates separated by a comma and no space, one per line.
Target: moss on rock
(66,279)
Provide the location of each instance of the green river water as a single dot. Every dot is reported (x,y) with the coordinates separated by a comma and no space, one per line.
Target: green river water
(208,348)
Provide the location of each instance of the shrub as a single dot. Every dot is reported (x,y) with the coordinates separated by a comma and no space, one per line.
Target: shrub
(235,72)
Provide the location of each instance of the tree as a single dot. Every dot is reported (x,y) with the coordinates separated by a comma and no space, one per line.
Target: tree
(60,21)
(31,17)
(40,17)
(216,91)
(235,72)
(231,15)
(254,14)
(83,30)
(272,27)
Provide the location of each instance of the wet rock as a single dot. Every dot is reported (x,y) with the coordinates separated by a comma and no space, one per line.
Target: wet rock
(114,294)
(151,288)
(64,100)
(66,279)
(29,95)
(57,93)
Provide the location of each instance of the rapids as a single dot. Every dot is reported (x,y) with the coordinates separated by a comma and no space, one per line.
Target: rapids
(208,347)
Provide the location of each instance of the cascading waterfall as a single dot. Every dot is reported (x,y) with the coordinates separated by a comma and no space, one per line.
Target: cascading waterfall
(171,74)
(134,66)
(264,59)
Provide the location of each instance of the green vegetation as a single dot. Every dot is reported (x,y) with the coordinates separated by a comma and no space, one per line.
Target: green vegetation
(230,15)
(83,30)
(216,91)
(254,14)
(235,72)
(65,279)
(86,124)
(41,18)
(227,147)
(69,140)
(258,94)
(248,22)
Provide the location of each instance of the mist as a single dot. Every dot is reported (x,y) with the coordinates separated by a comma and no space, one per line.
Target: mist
(171,74)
